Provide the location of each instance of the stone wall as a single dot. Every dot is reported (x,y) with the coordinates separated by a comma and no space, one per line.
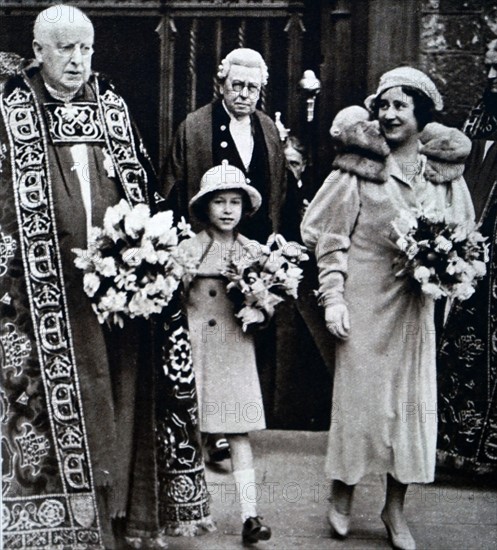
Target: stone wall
(453,35)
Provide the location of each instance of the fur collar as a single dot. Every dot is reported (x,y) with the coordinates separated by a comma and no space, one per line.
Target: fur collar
(362,151)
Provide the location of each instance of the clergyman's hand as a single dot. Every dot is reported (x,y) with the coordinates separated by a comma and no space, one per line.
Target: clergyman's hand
(337,320)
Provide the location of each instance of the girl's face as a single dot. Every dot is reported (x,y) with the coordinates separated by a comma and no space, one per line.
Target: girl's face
(224,210)
(396,116)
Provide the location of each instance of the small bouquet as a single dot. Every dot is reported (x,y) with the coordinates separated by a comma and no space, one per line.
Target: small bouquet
(439,258)
(132,265)
(263,276)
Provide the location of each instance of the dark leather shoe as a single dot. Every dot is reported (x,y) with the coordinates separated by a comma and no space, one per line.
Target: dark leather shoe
(253,530)
(218,449)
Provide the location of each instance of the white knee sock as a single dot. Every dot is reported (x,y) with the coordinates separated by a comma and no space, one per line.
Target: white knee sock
(247,492)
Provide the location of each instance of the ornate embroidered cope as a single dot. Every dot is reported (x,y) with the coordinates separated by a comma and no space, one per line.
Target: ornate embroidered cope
(68,516)
(49,496)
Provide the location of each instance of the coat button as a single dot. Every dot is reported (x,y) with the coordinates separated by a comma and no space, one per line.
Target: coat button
(224,144)
(212,323)
(212,292)
(223,128)
(247,180)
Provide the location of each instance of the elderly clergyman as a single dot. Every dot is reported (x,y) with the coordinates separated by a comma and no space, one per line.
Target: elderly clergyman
(71,406)
(232,129)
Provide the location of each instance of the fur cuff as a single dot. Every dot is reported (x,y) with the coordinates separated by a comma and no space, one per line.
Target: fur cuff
(446,149)
(443,172)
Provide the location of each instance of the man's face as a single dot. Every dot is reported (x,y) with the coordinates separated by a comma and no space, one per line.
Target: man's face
(65,51)
(491,65)
(295,162)
(241,90)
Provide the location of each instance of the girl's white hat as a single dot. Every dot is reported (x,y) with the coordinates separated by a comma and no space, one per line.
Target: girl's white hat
(224,177)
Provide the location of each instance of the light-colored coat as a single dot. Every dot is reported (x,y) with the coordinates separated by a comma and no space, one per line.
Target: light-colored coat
(228,386)
(384,417)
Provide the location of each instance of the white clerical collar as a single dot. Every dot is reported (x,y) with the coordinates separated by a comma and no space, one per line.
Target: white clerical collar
(66,97)
(245,121)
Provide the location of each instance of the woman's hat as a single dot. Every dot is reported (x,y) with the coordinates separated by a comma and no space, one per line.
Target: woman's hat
(407,76)
(224,177)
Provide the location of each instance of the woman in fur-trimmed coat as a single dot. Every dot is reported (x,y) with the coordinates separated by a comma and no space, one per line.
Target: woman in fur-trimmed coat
(384,414)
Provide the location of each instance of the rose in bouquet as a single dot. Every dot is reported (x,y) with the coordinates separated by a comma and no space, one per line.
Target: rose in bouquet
(264,276)
(439,258)
(132,265)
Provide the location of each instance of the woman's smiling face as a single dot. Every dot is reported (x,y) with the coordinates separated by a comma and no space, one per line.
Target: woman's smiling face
(396,116)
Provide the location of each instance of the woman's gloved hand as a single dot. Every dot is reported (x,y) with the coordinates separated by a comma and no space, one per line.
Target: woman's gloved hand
(337,320)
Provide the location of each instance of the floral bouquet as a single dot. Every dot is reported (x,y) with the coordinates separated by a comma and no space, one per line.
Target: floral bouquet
(132,265)
(439,258)
(263,276)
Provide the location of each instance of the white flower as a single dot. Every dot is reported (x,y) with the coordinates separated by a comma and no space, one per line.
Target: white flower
(442,244)
(463,291)
(113,301)
(135,220)
(163,286)
(184,228)
(126,279)
(433,290)
(475,238)
(402,244)
(486,252)
(159,225)
(250,315)
(294,272)
(107,267)
(141,305)
(412,250)
(274,262)
(456,265)
(460,232)
(101,315)
(163,256)
(91,283)
(113,217)
(148,253)
(422,274)
(480,268)
(94,235)
(169,238)
(83,258)
(132,256)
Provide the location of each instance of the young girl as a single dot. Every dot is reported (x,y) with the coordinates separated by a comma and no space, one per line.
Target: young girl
(229,393)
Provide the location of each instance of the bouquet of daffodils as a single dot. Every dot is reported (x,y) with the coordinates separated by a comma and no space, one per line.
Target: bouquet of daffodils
(132,265)
(439,258)
(263,276)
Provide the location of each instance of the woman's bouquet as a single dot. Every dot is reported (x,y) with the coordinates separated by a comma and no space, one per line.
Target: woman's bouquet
(440,258)
(132,265)
(263,276)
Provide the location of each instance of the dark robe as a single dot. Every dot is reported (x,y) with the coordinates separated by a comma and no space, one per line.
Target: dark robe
(78,398)
(467,356)
(305,347)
